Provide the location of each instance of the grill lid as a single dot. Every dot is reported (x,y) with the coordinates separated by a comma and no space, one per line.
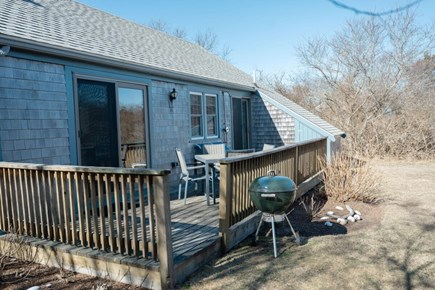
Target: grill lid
(272,184)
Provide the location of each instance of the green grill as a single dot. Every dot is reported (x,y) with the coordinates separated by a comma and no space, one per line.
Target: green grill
(272,194)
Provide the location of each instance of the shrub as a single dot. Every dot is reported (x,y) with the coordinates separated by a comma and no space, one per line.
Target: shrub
(349,178)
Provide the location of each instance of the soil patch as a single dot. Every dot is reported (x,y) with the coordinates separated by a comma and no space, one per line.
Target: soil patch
(17,275)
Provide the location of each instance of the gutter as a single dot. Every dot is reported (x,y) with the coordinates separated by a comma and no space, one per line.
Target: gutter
(101,60)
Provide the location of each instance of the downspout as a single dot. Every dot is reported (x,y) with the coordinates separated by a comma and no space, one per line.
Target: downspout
(225,129)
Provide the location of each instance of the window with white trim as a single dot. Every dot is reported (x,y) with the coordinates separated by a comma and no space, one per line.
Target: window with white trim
(203,116)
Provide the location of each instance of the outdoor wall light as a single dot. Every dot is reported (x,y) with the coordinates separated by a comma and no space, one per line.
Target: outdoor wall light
(173,95)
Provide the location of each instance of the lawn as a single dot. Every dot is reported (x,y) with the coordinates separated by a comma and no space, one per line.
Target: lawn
(392,248)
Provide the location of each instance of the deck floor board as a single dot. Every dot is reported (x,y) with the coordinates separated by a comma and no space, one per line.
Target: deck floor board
(194,225)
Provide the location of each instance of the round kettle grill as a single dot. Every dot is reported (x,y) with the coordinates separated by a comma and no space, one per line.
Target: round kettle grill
(272,195)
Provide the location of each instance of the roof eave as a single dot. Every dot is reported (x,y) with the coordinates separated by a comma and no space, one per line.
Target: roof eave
(116,63)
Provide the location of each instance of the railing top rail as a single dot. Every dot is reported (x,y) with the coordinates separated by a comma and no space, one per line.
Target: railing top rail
(85,169)
(247,156)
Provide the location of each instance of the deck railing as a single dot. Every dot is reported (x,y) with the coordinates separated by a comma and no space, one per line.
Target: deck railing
(299,162)
(86,206)
(133,153)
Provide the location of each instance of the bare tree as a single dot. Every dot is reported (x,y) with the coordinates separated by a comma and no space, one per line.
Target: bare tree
(180,33)
(206,39)
(365,79)
(226,53)
(158,24)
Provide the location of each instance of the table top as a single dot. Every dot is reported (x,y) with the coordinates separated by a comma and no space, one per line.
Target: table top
(209,158)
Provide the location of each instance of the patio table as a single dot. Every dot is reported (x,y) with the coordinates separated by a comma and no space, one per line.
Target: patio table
(208,159)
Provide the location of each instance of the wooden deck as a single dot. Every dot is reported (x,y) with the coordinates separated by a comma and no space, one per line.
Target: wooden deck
(195,226)
(157,244)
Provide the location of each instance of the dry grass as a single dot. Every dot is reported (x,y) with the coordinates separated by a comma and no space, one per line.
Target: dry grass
(349,178)
(14,250)
(395,252)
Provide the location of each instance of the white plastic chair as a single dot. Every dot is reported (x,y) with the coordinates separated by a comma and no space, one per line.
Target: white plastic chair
(218,149)
(268,147)
(185,176)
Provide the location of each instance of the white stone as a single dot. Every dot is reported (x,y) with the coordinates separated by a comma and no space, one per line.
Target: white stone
(34,288)
(358,213)
(330,212)
(339,207)
(324,217)
(357,217)
(351,211)
(351,219)
(341,221)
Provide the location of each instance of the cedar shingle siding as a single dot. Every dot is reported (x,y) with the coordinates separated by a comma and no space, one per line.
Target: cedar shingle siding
(33,109)
(270,124)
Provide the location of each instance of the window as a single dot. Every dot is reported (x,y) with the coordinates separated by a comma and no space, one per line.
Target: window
(211,113)
(203,116)
(196,115)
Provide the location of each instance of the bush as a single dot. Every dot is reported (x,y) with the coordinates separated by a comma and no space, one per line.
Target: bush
(349,178)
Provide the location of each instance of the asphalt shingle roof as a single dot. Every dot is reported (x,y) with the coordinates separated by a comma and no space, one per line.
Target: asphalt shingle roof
(75,27)
(287,104)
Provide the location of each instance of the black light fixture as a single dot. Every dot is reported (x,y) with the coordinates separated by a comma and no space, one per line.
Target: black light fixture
(173,95)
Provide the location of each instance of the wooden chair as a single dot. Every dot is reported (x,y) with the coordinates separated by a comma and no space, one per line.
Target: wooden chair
(185,175)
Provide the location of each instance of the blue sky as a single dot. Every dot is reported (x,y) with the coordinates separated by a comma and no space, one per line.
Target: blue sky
(261,34)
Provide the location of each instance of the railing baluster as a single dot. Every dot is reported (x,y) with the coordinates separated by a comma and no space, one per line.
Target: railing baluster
(13,203)
(66,209)
(28,206)
(21,202)
(94,213)
(109,198)
(72,180)
(134,239)
(59,216)
(100,190)
(150,190)
(143,228)
(127,245)
(118,219)
(80,206)
(51,201)
(86,204)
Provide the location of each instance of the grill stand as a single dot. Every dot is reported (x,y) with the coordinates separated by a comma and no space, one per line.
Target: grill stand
(267,217)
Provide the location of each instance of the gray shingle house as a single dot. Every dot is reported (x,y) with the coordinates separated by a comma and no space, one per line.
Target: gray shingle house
(81,86)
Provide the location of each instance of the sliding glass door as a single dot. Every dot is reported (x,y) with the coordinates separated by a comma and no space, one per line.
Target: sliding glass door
(112,123)
(132,124)
(97,123)
(241,127)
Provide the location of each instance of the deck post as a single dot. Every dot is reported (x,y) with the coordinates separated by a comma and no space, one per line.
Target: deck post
(225,204)
(163,220)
